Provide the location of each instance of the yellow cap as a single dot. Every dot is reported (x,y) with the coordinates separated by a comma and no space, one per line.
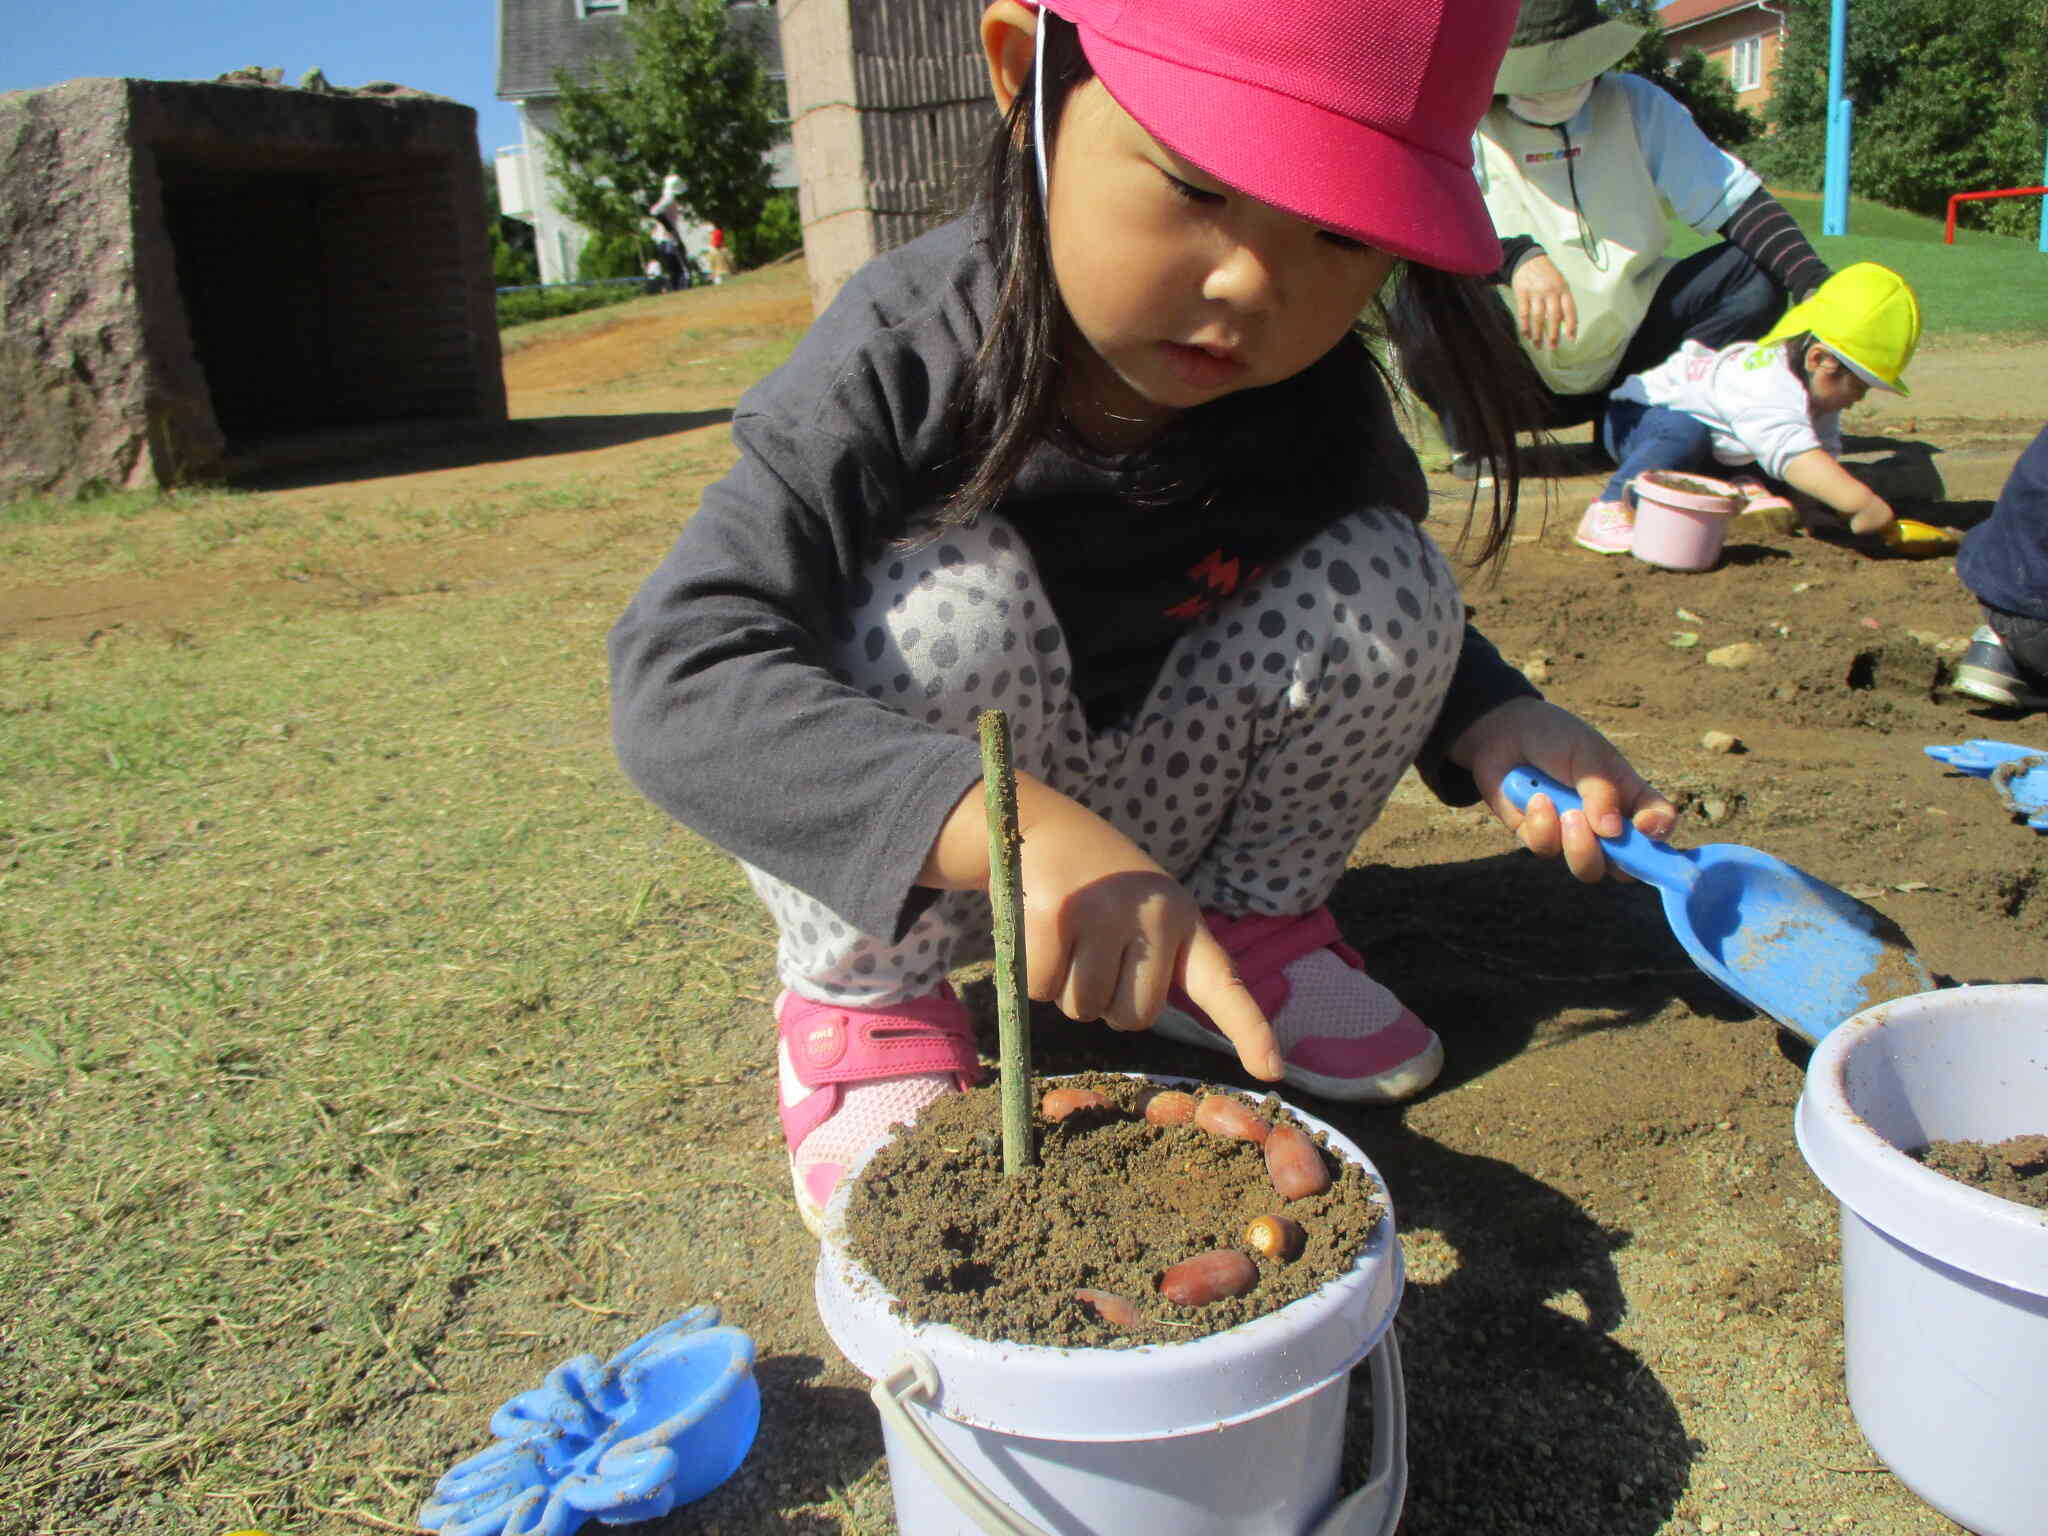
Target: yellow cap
(1867,316)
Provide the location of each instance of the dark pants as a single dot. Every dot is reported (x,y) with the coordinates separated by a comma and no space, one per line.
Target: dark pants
(671,259)
(1715,296)
(1642,437)
(2025,638)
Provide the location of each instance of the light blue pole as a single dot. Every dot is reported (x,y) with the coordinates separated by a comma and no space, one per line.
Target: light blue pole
(1834,203)
(2044,201)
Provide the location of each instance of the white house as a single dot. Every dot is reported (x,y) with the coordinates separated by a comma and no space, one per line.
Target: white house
(539,38)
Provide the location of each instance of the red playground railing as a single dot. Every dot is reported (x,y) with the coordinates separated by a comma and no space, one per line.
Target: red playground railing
(1949,238)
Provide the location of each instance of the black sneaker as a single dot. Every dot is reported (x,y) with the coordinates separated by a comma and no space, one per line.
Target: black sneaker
(1988,673)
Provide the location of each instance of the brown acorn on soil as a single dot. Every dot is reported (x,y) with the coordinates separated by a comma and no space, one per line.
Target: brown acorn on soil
(1208,1277)
(1295,1163)
(1222,1115)
(1117,1311)
(1168,1106)
(1276,1237)
(1059,1103)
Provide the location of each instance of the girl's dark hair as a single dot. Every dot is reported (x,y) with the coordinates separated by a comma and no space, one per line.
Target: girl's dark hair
(1010,401)
(1447,332)
(1455,343)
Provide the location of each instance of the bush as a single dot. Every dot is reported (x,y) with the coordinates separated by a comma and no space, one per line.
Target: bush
(610,255)
(547,303)
(778,232)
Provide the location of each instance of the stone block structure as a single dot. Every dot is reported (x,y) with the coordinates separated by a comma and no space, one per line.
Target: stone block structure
(193,272)
(890,108)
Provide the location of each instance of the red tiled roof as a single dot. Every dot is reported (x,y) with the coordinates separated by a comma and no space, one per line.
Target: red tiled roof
(1684,13)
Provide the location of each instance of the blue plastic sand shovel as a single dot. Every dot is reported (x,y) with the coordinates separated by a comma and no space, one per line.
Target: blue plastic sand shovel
(1785,943)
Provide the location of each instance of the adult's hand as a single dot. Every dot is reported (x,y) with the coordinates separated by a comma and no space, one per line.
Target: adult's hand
(1544,306)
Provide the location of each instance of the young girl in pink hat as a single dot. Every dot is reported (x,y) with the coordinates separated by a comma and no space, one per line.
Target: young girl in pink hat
(1110,454)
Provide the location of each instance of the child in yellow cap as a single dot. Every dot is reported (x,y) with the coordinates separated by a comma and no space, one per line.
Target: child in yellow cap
(1774,404)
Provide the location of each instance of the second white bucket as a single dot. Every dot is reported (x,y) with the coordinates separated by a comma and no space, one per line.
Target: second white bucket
(1239,1433)
(1944,1287)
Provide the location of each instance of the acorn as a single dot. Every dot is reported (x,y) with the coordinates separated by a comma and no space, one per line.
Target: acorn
(1168,1106)
(1059,1103)
(1117,1311)
(1295,1163)
(1276,1237)
(1208,1277)
(1222,1115)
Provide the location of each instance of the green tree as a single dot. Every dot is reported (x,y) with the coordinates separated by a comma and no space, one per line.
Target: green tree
(1950,96)
(778,232)
(686,96)
(1705,91)
(609,255)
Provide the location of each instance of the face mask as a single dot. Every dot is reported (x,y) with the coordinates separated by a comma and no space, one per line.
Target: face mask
(1549,108)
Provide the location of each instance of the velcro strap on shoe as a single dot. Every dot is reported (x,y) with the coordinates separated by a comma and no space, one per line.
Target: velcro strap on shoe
(830,1044)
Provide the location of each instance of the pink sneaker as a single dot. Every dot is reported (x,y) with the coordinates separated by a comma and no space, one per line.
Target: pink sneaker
(847,1076)
(1608,528)
(1342,1035)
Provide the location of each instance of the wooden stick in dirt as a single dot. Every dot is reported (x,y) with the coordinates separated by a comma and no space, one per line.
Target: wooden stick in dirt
(1006,898)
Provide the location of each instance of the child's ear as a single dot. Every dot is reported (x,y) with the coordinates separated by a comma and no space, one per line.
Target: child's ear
(1817,356)
(1009,34)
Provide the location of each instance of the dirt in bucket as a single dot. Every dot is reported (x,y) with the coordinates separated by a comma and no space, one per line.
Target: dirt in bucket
(2014,1169)
(1114,1202)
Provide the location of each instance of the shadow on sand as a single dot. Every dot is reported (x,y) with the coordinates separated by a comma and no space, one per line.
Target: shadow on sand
(370,453)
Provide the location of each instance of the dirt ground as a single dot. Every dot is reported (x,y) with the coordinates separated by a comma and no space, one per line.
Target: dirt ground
(1622,1312)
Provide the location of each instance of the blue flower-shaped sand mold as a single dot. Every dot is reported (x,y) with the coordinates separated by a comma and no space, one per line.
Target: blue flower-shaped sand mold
(663,1422)
(2019,774)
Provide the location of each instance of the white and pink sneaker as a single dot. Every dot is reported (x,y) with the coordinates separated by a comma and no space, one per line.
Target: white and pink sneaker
(1341,1034)
(1608,528)
(847,1076)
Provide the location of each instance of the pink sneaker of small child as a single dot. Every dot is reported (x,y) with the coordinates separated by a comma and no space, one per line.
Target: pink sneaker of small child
(1341,1034)
(1608,528)
(847,1076)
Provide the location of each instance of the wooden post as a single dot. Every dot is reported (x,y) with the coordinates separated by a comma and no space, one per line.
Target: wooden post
(1006,898)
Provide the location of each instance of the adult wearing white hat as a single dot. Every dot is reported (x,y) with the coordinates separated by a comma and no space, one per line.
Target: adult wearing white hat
(666,218)
(1576,163)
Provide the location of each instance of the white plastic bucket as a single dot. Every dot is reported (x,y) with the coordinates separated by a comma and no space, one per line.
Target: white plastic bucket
(1239,1433)
(1944,1287)
(1681,520)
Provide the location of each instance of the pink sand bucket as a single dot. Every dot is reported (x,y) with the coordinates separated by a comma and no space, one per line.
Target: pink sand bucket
(1681,520)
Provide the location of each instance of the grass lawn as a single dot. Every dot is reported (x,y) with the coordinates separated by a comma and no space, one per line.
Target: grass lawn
(361,1027)
(306,933)
(1983,285)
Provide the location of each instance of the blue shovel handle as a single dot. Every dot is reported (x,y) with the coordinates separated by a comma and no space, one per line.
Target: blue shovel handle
(1643,857)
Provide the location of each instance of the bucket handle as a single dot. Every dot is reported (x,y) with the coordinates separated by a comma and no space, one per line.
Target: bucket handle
(1379,1500)
(1386,1490)
(912,1376)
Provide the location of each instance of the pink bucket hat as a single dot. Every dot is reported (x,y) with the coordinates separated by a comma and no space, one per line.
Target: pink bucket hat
(1354,115)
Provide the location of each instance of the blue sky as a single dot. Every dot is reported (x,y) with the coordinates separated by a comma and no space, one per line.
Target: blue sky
(449,47)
